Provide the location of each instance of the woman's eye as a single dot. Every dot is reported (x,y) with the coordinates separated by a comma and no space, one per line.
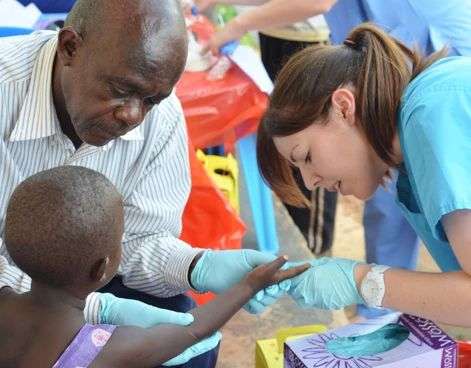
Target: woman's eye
(308,158)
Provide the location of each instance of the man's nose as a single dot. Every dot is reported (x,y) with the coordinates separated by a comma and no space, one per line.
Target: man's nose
(132,113)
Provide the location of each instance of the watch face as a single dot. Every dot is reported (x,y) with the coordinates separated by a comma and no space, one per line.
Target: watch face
(371,285)
(371,288)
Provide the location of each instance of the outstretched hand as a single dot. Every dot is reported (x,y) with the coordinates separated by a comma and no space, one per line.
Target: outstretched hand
(271,273)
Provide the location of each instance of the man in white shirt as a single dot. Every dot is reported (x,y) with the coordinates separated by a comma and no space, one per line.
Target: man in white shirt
(99,94)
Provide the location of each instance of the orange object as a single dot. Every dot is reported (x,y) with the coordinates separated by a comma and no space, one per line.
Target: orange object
(209,221)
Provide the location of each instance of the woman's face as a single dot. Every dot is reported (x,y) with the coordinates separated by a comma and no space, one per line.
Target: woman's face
(335,155)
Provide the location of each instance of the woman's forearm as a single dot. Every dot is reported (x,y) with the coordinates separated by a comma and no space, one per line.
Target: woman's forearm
(441,297)
(278,13)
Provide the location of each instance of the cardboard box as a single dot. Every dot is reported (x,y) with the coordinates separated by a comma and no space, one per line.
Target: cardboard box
(426,346)
(269,352)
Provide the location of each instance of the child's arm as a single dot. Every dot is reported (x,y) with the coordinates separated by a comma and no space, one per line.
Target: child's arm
(135,347)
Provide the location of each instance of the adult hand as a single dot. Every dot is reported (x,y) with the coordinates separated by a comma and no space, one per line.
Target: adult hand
(328,284)
(230,32)
(128,312)
(201,347)
(202,5)
(217,271)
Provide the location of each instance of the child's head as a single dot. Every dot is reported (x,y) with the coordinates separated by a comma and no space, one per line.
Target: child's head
(64,228)
(333,114)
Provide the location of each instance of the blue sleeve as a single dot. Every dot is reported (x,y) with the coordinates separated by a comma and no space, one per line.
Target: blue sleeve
(51,6)
(436,145)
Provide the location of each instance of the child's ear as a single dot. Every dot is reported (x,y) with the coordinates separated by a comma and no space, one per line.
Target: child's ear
(99,270)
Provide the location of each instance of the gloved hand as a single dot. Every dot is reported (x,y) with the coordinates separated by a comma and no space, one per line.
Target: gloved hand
(217,271)
(199,348)
(328,284)
(128,312)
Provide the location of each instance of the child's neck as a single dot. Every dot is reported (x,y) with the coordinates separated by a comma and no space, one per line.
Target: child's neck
(55,298)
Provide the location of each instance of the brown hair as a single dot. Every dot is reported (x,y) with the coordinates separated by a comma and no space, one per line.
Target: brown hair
(378,66)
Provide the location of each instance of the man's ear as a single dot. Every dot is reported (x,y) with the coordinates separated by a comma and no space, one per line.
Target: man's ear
(100,269)
(69,43)
(343,102)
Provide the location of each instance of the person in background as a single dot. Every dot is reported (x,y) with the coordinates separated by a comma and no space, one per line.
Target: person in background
(430,25)
(64,228)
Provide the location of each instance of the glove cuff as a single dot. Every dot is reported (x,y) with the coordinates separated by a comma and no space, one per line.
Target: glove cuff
(199,275)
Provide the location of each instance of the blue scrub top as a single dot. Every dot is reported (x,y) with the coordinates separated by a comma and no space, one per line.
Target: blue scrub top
(429,24)
(51,6)
(435,134)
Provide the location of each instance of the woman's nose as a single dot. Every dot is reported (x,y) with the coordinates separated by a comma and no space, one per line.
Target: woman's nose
(310,180)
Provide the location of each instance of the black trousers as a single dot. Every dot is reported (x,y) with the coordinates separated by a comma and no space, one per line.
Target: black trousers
(179,303)
(316,224)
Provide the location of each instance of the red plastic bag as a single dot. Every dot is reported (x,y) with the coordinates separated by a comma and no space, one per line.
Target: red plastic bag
(208,220)
(219,112)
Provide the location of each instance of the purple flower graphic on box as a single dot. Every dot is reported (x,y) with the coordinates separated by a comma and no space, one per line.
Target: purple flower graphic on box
(321,357)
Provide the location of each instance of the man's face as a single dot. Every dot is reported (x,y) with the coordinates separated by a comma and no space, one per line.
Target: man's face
(110,86)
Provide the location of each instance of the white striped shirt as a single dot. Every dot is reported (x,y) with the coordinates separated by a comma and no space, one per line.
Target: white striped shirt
(149,166)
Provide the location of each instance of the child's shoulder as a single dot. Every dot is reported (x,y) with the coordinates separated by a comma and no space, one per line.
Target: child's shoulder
(17,330)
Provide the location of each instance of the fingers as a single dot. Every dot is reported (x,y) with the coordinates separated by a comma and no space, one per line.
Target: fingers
(255,258)
(201,347)
(176,318)
(205,48)
(290,273)
(274,266)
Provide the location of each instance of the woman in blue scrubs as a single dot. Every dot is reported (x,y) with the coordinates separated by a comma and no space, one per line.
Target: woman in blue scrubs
(345,116)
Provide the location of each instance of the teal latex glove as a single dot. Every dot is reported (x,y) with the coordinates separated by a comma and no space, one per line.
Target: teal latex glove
(201,347)
(217,271)
(328,284)
(128,312)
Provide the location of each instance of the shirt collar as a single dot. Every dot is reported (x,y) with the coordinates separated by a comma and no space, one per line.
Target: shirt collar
(37,118)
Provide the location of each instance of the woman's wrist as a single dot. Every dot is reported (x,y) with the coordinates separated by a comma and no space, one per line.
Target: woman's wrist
(237,27)
(360,272)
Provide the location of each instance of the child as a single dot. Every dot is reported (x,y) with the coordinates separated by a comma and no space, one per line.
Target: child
(64,228)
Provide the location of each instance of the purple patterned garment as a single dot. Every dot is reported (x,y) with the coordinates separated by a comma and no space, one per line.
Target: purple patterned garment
(85,347)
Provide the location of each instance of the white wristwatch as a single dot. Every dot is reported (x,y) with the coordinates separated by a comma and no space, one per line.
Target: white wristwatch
(372,286)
